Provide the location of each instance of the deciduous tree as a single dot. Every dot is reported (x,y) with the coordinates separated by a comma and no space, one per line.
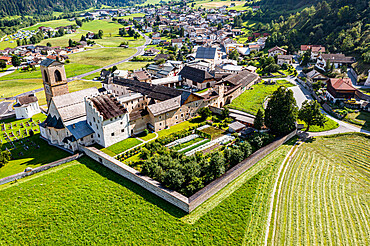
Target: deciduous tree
(311,114)
(259,120)
(281,111)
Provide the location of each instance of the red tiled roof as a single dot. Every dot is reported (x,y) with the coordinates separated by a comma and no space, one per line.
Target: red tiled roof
(342,84)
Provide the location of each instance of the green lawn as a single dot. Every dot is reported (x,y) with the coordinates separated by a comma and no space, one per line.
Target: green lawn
(101,57)
(329,125)
(361,119)
(325,194)
(63,40)
(252,100)
(33,157)
(11,88)
(52,24)
(175,128)
(122,66)
(85,203)
(119,147)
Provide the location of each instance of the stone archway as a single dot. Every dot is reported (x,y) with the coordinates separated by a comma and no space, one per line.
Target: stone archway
(46,76)
(58,76)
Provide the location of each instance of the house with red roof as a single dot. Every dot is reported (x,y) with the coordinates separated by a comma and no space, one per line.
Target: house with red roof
(277,51)
(340,89)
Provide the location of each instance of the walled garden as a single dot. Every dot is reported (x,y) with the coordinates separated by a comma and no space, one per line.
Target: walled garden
(189,159)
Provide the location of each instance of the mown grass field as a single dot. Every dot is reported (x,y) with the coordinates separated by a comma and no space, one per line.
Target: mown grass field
(11,88)
(325,195)
(361,119)
(252,100)
(101,57)
(85,203)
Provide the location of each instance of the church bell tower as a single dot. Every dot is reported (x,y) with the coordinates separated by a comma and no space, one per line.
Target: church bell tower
(54,78)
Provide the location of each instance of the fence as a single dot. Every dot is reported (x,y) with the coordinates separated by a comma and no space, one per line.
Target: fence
(184,203)
(39,169)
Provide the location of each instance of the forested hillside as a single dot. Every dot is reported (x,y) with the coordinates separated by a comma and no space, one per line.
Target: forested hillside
(340,25)
(42,7)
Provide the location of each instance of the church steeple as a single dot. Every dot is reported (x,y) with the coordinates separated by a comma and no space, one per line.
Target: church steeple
(54,78)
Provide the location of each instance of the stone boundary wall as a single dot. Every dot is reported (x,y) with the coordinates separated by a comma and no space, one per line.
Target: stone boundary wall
(173,197)
(215,110)
(7,116)
(135,176)
(39,169)
(215,186)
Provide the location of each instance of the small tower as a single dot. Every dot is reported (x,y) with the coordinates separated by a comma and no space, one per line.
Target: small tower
(54,78)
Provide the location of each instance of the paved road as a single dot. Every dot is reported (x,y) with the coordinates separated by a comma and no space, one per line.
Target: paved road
(4,108)
(8,71)
(140,51)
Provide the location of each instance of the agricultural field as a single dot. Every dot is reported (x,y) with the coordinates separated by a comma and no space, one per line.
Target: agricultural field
(52,24)
(127,17)
(101,57)
(129,213)
(252,100)
(29,150)
(324,195)
(10,88)
(361,119)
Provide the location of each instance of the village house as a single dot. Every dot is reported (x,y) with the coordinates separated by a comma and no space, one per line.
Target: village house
(26,106)
(284,59)
(277,51)
(337,59)
(340,89)
(197,78)
(315,76)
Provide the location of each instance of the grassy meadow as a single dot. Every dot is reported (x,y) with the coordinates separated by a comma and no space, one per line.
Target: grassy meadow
(252,100)
(85,203)
(101,57)
(122,146)
(329,125)
(10,88)
(325,194)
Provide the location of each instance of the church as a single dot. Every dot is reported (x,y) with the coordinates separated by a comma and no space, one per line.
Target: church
(123,107)
(80,118)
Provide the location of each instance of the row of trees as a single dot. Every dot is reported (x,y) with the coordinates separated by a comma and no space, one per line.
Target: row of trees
(190,174)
